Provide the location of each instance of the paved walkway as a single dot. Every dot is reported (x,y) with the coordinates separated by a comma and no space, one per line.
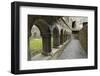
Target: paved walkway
(73,51)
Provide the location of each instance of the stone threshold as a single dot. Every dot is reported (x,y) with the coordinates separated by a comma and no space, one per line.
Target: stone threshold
(56,52)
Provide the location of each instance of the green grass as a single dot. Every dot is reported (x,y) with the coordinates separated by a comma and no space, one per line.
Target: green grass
(36,45)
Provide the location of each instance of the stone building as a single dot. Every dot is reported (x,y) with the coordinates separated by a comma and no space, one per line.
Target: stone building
(49,26)
(80,30)
(60,28)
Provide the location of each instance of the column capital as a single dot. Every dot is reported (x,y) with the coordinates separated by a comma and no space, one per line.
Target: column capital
(46,35)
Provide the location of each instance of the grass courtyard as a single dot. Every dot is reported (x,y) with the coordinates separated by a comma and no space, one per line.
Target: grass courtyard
(36,45)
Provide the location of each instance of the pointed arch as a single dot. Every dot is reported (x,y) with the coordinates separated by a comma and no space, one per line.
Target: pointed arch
(35,32)
(44,31)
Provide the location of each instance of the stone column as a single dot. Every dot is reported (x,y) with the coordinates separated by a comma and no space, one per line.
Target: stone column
(66,37)
(46,41)
(56,41)
(29,51)
(61,39)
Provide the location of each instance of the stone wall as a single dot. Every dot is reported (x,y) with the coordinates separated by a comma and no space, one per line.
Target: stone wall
(83,36)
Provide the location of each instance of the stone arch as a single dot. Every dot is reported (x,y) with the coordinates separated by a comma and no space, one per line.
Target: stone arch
(56,37)
(61,36)
(35,32)
(45,34)
(43,26)
(40,23)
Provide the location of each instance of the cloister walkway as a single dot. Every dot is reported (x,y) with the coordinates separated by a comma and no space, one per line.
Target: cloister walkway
(73,51)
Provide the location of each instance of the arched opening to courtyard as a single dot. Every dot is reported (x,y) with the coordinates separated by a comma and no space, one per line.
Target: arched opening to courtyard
(35,41)
(45,33)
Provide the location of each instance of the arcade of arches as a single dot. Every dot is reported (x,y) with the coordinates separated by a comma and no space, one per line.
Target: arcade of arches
(54,32)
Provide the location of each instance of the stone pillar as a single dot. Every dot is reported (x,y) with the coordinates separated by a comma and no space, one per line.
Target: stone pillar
(61,39)
(46,41)
(29,51)
(56,41)
(66,36)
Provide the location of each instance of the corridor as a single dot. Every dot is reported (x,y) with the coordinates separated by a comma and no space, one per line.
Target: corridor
(73,51)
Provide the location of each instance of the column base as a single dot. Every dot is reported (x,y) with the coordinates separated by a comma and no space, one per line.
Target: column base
(46,54)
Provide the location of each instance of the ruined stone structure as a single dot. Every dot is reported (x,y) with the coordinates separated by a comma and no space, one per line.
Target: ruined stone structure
(49,26)
(80,30)
(58,27)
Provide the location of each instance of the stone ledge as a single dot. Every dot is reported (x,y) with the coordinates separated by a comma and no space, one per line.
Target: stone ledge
(56,52)
(59,50)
